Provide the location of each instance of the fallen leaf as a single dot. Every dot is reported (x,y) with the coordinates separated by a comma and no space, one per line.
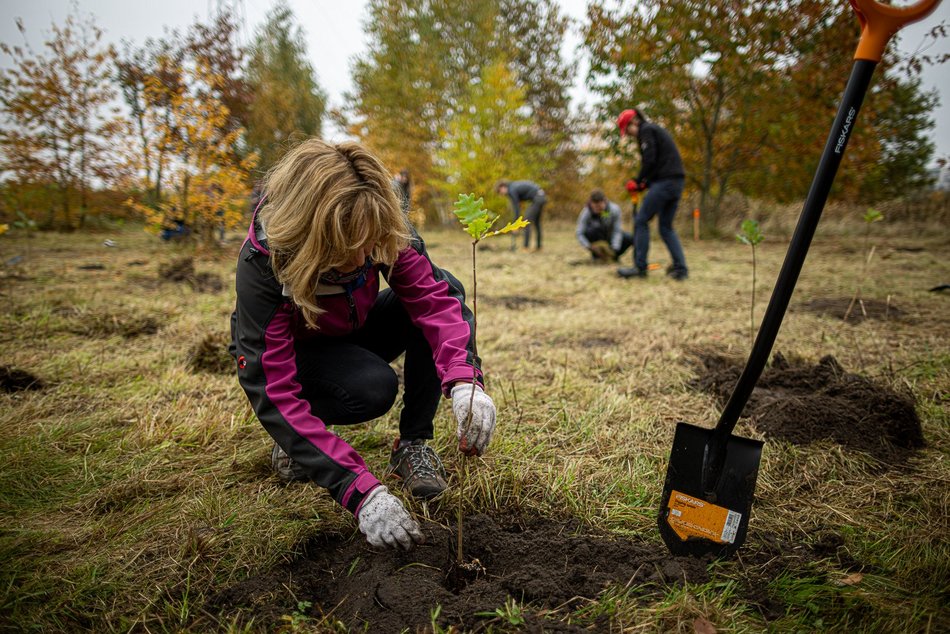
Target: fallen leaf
(852,579)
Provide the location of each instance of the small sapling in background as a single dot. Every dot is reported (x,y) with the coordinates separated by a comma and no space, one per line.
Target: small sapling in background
(870,217)
(751,235)
(477,222)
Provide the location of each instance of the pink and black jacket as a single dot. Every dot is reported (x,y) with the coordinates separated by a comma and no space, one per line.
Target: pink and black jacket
(266,323)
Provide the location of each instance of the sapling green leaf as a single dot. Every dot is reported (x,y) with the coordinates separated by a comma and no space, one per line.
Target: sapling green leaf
(752,236)
(477,220)
(872,215)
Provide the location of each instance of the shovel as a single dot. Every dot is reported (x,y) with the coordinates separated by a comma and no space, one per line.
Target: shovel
(711,477)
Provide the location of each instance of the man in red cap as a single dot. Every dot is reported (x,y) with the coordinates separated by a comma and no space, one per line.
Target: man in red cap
(661,170)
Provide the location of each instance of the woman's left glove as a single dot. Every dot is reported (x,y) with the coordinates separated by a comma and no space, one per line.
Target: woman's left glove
(473,436)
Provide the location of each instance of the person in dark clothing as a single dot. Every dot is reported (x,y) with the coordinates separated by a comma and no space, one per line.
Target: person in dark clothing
(599,228)
(661,172)
(525,191)
(403,189)
(313,334)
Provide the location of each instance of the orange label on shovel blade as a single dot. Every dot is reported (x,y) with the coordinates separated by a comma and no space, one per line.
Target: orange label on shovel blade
(692,517)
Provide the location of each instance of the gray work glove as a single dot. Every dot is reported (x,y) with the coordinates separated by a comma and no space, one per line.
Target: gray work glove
(385,521)
(473,436)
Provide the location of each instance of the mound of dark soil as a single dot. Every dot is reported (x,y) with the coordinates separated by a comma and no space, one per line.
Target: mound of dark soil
(182,270)
(211,355)
(803,403)
(543,563)
(16,380)
(862,309)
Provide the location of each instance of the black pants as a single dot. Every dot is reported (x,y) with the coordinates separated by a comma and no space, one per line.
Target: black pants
(595,235)
(348,380)
(533,216)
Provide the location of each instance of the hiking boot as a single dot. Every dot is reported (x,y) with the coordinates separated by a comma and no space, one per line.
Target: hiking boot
(419,467)
(284,466)
(677,274)
(633,271)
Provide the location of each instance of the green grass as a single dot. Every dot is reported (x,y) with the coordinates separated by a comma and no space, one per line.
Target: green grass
(132,488)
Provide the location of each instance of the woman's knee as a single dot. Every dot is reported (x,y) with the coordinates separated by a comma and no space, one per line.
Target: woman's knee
(377,391)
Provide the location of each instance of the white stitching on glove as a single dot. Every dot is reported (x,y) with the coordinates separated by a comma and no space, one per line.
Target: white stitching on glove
(385,521)
(476,439)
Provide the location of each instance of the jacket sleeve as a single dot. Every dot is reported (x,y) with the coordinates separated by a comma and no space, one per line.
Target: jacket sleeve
(648,154)
(435,301)
(263,344)
(582,227)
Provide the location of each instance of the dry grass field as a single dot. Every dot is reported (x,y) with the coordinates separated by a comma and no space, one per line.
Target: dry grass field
(135,483)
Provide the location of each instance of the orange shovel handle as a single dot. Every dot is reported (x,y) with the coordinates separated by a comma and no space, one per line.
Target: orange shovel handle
(880,21)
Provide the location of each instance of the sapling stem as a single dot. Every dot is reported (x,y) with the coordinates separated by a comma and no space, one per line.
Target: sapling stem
(870,217)
(751,235)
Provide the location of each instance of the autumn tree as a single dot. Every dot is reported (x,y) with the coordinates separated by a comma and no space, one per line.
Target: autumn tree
(487,138)
(150,77)
(58,128)
(215,47)
(888,152)
(287,99)
(748,89)
(423,58)
(209,179)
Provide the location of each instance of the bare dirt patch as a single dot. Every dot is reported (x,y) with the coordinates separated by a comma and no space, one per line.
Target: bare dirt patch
(803,403)
(182,270)
(516,302)
(17,380)
(541,562)
(863,309)
(211,355)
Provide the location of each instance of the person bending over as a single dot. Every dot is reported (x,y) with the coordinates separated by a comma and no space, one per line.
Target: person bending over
(313,334)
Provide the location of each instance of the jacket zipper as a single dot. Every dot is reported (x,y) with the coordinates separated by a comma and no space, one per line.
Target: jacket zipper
(354,316)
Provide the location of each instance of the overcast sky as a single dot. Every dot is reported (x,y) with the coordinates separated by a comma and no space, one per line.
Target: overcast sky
(334,35)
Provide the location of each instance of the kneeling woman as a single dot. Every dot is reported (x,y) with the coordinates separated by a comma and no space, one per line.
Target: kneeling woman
(313,334)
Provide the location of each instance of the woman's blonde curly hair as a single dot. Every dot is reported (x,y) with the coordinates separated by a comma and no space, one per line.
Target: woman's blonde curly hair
(323,203)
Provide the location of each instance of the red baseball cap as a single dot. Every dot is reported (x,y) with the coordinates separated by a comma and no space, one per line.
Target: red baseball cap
(624,120)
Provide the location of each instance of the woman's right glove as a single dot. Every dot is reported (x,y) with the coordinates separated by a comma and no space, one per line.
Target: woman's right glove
(385,521)
(473,435)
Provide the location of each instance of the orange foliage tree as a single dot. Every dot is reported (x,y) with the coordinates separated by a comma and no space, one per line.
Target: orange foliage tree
(58,130)
(208,176)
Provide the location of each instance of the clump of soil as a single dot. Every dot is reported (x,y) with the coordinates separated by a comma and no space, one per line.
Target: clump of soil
(91,323)
(16,380)
(211,355)
(863,309)
(182,270)
(543,562)
(803,403)
(108,324)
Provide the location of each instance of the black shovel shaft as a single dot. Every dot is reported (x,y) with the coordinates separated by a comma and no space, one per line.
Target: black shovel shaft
(794,259)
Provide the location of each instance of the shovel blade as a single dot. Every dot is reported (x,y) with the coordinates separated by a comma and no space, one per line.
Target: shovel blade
(693,521)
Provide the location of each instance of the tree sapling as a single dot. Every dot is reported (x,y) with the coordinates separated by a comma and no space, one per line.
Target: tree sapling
(870,217)
(752,236)
(477,222)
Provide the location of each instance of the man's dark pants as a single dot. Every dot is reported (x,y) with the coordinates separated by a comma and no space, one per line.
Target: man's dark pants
(661,200)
